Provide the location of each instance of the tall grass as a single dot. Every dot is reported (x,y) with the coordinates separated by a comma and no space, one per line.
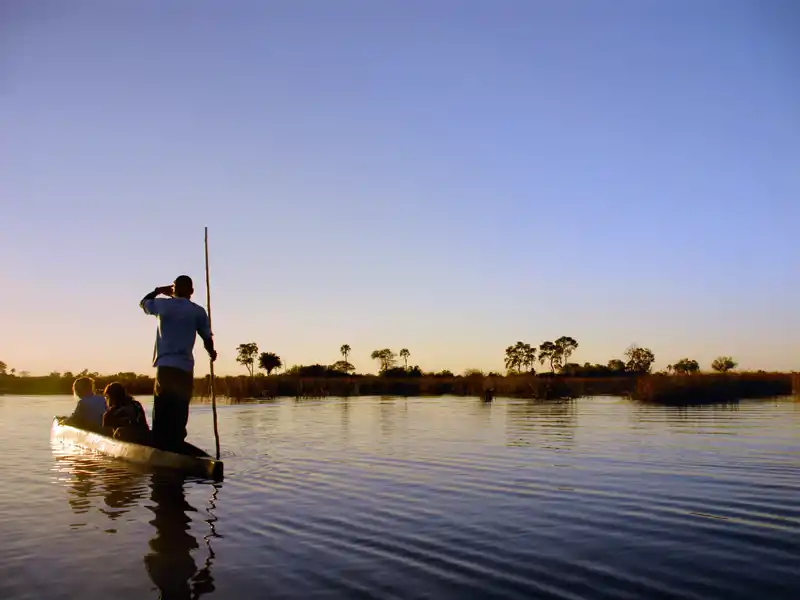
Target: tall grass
(517,386)
(660,389)
(711,388)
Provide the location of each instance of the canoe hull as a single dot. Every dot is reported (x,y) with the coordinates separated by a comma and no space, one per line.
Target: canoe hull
(200,465)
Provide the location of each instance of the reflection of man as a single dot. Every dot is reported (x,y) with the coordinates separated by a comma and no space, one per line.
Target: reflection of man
(170,564)
(179,322)
(88,413)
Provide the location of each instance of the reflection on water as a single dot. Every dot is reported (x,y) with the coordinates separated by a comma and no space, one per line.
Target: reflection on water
(344,422)
(88,477)
(446,498)
(687,418)
(549,424)
(169,561)
(386,407)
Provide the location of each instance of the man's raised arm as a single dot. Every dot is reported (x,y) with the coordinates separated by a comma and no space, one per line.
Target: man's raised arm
(148,303)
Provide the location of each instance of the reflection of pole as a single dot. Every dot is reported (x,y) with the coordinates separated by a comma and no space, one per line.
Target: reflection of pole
(203,582)
(212,504)
(211,362)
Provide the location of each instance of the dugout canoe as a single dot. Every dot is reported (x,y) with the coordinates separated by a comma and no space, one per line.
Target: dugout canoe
(193,462)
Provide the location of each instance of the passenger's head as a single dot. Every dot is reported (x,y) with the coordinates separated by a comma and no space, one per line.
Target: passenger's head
(183,287)
(83,386)
(115,394)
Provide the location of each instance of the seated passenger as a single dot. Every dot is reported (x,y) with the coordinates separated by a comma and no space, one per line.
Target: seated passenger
(125,416)
(88,413)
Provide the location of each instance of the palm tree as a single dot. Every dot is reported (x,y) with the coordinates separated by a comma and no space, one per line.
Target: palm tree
(404,354)
(345,351)
(269,361)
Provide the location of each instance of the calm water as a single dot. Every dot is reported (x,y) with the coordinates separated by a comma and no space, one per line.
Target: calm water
(416,498)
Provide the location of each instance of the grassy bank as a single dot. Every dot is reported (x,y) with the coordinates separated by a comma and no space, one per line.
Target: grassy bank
(657,389)
(517,386)
(713,388)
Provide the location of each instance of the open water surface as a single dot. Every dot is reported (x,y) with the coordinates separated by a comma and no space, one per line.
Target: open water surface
(415,498)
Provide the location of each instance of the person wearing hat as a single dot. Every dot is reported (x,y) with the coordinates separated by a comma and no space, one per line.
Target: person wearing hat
(180,321)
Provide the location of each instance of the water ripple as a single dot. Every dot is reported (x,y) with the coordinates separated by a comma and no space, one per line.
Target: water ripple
(417,498)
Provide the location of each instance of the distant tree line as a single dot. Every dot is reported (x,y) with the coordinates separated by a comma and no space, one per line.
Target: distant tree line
(679,384)
(248,356)
(520,358)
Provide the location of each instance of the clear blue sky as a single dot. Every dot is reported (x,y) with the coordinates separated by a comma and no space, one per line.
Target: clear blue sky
(444,176)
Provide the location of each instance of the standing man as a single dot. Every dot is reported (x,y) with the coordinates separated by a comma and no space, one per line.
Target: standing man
(179,322)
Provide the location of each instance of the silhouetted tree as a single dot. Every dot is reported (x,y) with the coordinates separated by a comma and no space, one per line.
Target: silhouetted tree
(548,351)
(640,360)
(269,361)
(685,366)
(616,365)
(588,370)
(309,370)
(527,356)
(443,373)
(246,356)
(345,351)
(565,346)
(3,368)
(519,356)
(402,372)
(513,360)
(386,358)
(404,354)
(342,366)
(723,364)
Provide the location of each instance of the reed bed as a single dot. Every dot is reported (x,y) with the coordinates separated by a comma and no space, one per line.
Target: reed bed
(712,388)
(657,389)
(516,386)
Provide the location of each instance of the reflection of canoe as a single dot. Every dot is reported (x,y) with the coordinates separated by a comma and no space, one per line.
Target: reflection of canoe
(193,462)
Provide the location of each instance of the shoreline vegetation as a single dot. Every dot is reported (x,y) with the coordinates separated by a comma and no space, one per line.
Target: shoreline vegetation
(675,390)
(681,383)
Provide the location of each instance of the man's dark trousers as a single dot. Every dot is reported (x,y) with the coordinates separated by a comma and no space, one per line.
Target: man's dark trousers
(171,397)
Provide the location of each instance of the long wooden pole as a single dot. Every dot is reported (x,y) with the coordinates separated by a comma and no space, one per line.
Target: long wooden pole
(211,362)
